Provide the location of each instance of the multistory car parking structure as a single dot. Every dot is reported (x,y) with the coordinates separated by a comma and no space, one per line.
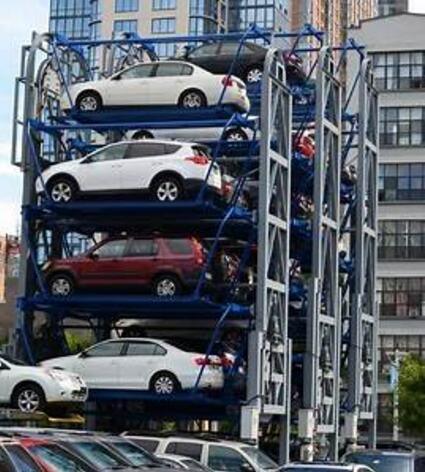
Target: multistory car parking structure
(308,292)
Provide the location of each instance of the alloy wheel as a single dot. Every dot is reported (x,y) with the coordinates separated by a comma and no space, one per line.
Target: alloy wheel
(167,191)
(61,192)
(61,286)
(88,103)
(254,75)
(164,385)
(28,401)
(192,100)
(166,288)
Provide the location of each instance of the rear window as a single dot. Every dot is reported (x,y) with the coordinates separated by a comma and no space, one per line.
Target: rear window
(201,151)
(180,246)
(185,449)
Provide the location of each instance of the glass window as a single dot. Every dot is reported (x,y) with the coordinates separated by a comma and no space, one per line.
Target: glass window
(402,126)
(99,455)
(188,449)
(5,465)
(126,5)
(172,69)
(142,248)
(138,72)
(259,458)
(225,459)
(125,26)
(21,459)
(180,246)
(163,4)
(135,454)
(401,182)
(402,239)
(145,349)
(145,149)
(59,459)
(111,249)
(110,153)
(206,51)
(148,444)
(163,25)
(108,349)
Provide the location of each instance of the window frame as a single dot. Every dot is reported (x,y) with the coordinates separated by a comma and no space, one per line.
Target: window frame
(109,342)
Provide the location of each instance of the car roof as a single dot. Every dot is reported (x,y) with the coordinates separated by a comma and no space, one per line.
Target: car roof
(154,141)
(191,438)
(321,465)
(381,452)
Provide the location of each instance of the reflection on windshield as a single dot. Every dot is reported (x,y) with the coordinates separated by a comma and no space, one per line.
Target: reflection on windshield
(134,454)
(97,454)
(383,463)
(259,458)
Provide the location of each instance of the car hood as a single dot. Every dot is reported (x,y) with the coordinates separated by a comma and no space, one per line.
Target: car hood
(65,362)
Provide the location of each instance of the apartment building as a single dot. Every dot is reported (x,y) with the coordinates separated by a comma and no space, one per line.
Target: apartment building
(396,44)
(71,18)
(392,7)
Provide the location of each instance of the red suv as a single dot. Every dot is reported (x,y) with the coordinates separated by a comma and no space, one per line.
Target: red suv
(165,267)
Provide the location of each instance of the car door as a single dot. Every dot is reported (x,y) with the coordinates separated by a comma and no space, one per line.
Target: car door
(100,365)
(141,361)
(105,265)
(171,79)
(101,171)
(5,381)
(131,87)
(139,260)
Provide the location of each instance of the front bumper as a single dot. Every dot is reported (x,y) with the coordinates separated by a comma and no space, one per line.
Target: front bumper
(212,378)
(67,391)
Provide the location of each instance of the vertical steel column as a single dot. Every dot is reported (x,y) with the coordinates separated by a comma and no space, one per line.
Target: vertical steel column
(364,317)
(320,413)
(268,353)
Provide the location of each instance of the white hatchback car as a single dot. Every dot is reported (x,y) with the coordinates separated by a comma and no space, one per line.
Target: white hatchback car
(158,83)
(165,170)
(30,388)
(142,364)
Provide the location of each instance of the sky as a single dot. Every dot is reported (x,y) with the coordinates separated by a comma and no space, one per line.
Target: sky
(18,18)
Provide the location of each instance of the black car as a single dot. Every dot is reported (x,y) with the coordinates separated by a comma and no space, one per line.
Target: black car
(218,57)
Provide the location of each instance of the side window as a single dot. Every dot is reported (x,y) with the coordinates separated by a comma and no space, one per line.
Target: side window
(229,48)
(138,72)
(111,349)
(180,246)
(21,459)
(112,153)
(145,349)
(188,449)
(186,70)
(142,248)
(205,51)
(225,459)
(172,69)
(140,149)
(111,249)
(4,462)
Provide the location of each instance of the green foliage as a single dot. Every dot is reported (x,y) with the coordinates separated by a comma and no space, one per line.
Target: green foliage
(78,342)
(411,389)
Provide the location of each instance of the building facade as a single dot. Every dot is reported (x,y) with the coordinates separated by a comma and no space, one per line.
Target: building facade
(71,18)
(392,7)
(9,273)
(396,44)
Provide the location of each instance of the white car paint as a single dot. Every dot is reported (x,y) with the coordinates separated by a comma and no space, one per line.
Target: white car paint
(135,372)
(177,461)
(144,85)
(57,386)
(130,166)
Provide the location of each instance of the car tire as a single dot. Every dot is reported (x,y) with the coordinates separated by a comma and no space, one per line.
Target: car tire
(166,286)
(167,188)
(142,134)
(61,285)
(235,134)
(62,190)
(254,74)
(29,398)
(164,383)
(89,102)
(192,99)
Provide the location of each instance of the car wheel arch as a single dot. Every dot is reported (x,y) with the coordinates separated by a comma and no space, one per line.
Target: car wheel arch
(62,175)
(63,272)
(88,91)
(27,383)
(166,173)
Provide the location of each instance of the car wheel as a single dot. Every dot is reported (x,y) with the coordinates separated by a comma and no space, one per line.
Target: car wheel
(89,101)
(254,74)
(139,135)
(167,286)
(61,285)
(167,189)
(62,190)
(236,134)
(193,99)
(29,398)
(164,383)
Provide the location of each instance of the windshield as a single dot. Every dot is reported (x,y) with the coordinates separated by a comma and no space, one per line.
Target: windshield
(260,460)
(135,454)
(11,360)
(98,455)
(383,462)
(59,459)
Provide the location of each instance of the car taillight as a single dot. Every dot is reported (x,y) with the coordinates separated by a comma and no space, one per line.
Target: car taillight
(227,81)
(204,361)
(199,160)
(199,252)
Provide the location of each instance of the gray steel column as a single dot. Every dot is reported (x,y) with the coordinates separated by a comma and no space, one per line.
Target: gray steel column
(268,369)
(320,413)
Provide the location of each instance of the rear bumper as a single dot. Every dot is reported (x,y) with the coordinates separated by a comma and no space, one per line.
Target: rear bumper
(193,186)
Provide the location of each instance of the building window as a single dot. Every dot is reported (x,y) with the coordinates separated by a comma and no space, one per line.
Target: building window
(163,4)
(401,182)
(402,239)
(399,70)
(260,12)
(165,50)
(402,126)
(125,26)
(126,5)
(163,25)
(401,297)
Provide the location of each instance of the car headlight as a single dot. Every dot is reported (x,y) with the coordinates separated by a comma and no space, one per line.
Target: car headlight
(58,375)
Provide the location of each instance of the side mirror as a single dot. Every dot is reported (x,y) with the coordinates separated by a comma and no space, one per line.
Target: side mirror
(4,366)
(83,355)
(94,256)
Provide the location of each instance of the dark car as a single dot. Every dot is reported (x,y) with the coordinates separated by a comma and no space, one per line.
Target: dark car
(218,58)
(15,458)
(165,267)
(386,461)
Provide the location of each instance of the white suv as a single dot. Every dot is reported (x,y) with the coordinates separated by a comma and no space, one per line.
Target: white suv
(30,388)
(218,455)
(165,170)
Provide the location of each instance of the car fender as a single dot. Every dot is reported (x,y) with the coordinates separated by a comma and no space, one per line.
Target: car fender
(164,168)
(34,375)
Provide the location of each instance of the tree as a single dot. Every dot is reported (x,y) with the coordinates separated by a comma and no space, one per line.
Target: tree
(411,388)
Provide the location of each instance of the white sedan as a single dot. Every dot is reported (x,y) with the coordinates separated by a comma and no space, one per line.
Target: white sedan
(164,170)
(30,388)
(142,364)
(158,83)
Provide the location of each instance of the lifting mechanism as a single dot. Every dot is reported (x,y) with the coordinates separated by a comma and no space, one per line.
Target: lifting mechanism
(308,318)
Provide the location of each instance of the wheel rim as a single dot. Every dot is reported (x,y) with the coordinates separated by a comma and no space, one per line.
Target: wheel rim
(28,401)
(61,192)
(164,385)
(88,103)
(167,191)
(254,75)
(61,286)
(192,100)
(166,288)
(235,136)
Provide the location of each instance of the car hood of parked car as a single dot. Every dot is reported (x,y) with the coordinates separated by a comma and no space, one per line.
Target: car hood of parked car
(63,363)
